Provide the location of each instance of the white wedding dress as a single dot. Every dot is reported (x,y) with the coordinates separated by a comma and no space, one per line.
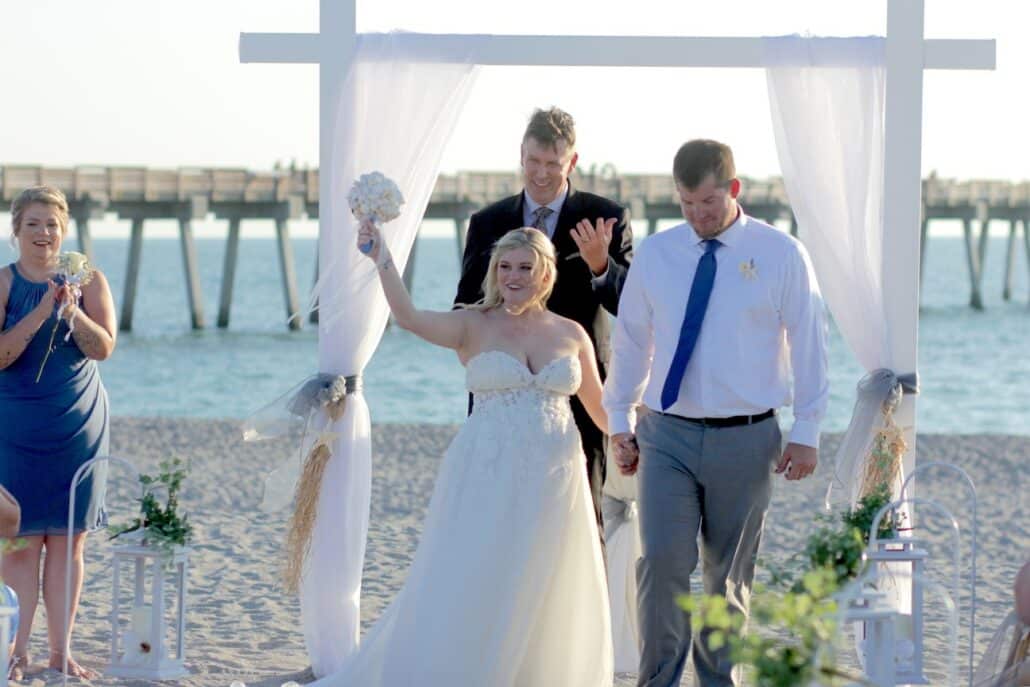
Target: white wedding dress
(507,587)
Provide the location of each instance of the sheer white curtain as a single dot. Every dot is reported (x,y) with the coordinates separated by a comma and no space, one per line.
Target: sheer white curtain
(828,119)
(397,112)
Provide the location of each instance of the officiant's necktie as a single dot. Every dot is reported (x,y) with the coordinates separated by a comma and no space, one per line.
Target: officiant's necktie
(540,216)
(697,303)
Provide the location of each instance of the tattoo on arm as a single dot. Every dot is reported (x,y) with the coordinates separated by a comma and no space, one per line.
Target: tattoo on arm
(87,340)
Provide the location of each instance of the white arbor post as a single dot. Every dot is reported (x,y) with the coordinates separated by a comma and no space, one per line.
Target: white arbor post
(902,193)
(907,55)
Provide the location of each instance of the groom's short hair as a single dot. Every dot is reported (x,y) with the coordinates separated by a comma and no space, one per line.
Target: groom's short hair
(696,159)
(550,126)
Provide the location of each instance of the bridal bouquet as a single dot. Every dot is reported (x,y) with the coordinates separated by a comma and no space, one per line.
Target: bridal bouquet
(74,270)
(376,198)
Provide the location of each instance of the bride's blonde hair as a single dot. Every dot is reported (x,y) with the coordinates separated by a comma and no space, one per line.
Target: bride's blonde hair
(544,265)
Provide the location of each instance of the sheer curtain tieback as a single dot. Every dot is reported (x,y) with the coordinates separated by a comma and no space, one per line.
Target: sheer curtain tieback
(878,394)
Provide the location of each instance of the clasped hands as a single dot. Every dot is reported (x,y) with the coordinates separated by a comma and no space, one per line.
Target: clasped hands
(66,295)
(625,452)
(797,462)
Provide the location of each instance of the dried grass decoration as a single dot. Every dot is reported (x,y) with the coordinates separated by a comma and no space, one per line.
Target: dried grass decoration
(883,463)
(332,398)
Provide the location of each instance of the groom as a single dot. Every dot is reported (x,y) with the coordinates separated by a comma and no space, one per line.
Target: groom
(593,242)
(720,323)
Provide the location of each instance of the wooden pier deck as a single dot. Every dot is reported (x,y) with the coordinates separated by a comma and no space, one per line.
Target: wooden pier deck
(189,194)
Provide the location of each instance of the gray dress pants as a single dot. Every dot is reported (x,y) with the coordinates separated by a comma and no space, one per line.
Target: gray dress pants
(695,478)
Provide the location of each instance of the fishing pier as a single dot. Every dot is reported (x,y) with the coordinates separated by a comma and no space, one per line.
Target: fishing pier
(187,195)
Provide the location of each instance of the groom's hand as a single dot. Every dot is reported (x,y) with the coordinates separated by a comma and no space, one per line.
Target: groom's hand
(798,461)
(593,242)
(626,454)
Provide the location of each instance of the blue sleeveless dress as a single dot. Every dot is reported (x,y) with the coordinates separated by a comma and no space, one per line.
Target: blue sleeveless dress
(49,429)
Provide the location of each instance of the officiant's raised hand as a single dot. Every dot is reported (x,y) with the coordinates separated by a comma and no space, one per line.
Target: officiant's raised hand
(593,241)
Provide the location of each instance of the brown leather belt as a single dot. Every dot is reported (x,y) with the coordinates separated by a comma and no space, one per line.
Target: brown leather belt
(733,421)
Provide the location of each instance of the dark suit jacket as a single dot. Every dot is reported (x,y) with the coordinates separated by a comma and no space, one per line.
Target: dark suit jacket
(574,295)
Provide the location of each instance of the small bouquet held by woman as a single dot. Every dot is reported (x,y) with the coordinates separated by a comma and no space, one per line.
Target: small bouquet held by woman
(73,272)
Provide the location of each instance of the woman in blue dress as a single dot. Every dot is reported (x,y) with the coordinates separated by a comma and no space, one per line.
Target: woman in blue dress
(53,421)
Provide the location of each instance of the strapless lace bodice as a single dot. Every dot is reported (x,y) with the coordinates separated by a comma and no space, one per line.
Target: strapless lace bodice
(513,401)
(498,371)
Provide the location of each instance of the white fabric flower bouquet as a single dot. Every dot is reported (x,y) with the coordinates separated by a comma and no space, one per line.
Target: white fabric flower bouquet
(375,198)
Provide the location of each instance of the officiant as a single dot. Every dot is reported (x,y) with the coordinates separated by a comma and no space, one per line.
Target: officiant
(593,242)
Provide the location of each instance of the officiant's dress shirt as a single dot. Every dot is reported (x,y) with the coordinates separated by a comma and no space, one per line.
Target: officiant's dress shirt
(764,325)
(529,208)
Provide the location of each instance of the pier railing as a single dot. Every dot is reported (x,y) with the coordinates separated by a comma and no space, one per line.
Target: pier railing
(192,193)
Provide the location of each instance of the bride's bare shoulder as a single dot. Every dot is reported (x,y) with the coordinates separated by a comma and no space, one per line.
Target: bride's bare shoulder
(569,327)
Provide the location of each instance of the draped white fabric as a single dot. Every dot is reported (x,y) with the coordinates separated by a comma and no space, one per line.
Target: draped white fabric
(828,117)
(623,547)
(827,101)
(396,114)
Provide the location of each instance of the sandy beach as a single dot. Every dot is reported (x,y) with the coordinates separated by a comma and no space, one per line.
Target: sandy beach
(241,626)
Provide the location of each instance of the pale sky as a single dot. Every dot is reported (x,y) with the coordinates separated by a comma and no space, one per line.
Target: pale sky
(158,82)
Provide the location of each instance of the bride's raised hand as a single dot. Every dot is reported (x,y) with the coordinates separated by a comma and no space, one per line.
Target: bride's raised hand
(370,240)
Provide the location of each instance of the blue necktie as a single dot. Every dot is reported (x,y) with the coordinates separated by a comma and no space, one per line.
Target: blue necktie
(697,303)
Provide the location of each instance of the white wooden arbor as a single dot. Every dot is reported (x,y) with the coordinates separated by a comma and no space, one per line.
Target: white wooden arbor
(907,54)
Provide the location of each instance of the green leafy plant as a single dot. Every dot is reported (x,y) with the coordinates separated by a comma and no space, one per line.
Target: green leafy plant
(161,526)
(810,614)
(838,544)
(797,615)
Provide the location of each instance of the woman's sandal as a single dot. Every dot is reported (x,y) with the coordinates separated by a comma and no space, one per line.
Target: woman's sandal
(75,669)
(16,667)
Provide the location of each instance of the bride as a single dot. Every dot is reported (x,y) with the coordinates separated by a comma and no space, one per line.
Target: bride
(507,587)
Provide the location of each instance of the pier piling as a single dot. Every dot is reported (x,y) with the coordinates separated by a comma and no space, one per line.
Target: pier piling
(1026,246)
(198,209)
(132,274)
(232,249)
(289,271)
(974,264)
(1010,260)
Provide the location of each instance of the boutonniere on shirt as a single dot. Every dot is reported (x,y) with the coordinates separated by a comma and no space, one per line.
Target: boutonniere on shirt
(748,269)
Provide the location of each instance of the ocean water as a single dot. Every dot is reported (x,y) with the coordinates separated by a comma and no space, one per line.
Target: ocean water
(974,366)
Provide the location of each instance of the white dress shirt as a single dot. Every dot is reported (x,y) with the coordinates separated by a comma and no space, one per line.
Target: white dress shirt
(764,325)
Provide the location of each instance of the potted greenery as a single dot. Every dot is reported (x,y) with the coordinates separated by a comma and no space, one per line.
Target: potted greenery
(159,540)
(160,525)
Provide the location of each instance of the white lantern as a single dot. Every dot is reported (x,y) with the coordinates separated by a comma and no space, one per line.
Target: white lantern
(905,556)
(138,647)
(877,619)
